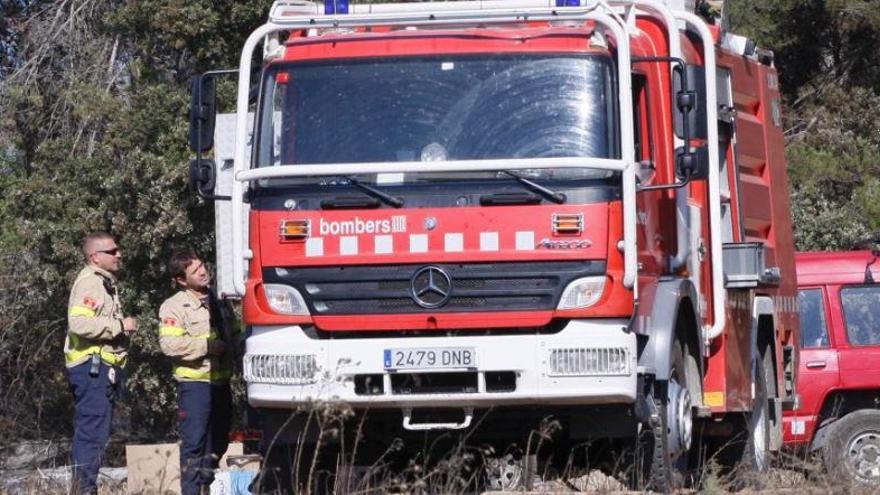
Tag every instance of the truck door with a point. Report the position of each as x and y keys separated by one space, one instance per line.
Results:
x=818 y=371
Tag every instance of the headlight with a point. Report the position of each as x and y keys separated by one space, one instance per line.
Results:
x=582 y=293
x=285 y=300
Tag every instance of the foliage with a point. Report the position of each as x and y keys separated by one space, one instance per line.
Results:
x=93 y=136
x=826 y=52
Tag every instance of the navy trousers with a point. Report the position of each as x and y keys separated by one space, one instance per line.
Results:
x=204 y=412
x=93 y=404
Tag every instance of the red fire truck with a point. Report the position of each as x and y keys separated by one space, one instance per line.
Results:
x=839 y=376
x=477 y=215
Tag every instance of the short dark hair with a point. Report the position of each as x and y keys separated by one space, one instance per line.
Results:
x=178 y=263
x=92 y=237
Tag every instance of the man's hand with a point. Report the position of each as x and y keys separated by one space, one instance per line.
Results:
x=129 y=324
x=216 y=348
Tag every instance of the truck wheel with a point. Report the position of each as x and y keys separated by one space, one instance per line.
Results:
x=759 y=422
x=685 y=450
x=510 y=472
x=666 y=448
x=748 y=453
x=852 y=450
x=654 y=446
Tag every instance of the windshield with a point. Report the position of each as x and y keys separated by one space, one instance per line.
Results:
x=449 y=108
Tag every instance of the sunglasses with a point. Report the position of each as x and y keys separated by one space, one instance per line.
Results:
x=111 y=252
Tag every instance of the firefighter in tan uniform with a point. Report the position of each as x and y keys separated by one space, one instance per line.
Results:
x=196 y=331
x=94 y=353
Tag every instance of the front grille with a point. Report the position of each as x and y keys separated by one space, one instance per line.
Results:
x=280 y=368
x=589 y=361
x=385 y=289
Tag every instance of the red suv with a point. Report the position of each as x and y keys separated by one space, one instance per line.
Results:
x=839 y=375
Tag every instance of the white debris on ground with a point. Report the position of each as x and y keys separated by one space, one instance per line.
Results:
x=595 y=481
x=25 y=455
x=57 y=480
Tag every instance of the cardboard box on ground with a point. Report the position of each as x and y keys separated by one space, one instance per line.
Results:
x=156 y=469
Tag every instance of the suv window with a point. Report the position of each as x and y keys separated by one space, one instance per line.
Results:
x=861 y=309
x=814 y=329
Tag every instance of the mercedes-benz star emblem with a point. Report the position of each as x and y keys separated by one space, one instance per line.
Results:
x=431 y=287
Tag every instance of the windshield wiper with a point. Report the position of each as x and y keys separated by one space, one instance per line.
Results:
x=556 y=197
x=372 y=191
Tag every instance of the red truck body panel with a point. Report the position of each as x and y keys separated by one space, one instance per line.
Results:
x=760 y=209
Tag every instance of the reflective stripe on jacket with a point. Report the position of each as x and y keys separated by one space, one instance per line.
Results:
x=94 y=320
x=185 y=332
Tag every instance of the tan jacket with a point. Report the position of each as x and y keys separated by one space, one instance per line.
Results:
x=94 y=319
x=186 y=328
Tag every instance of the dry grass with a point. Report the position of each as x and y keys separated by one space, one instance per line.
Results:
x=326 y=466
x=446 y=476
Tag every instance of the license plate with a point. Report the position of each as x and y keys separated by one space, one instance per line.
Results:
x=429 y=358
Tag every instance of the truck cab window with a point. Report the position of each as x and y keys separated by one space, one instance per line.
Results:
x=814 y=328
x=861 y=310
x=428 y=108
x=644 y=149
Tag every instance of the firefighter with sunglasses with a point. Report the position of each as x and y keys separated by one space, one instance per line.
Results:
x=94 y=352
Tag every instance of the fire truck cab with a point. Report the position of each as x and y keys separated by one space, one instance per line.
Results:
x=477 y=215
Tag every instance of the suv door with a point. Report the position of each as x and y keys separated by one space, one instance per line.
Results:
x=818 y=369
x=860 y=354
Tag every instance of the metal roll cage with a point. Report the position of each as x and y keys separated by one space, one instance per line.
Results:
x=616 y=17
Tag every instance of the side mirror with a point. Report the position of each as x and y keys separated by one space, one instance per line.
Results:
x=689 y=114
x=869 y=277
x=872 y=242
x=692 y=164
x=202 y=113
x=202 y=176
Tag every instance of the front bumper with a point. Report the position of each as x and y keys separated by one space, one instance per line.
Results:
x=588 y=362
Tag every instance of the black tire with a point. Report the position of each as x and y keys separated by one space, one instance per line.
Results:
x=510 y=472
x=659 y=471
x=655 y=465
x=748 y=455
x=852 y=450
x=757 y=453
x=687 y=468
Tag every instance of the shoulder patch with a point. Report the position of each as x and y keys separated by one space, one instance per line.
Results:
x=90 y=303
x=171 y=322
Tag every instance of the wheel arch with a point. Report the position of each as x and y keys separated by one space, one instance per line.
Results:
x=672 y=300
x=839 y=403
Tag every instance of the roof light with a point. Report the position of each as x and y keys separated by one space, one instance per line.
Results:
x=335 y=6
x=568 y=3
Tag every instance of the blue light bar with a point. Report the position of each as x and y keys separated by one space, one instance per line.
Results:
x=568 y=3
x=336 y=6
